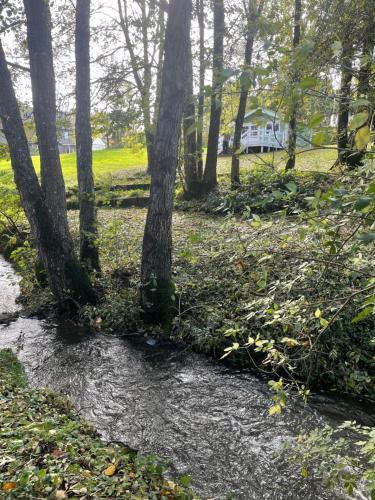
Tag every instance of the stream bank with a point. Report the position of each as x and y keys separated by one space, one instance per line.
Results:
x=207 y=421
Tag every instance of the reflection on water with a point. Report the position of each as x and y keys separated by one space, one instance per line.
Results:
x=209 y=422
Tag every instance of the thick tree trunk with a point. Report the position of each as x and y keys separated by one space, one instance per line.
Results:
x=86 y=191
x=157 y=285
x=68 y=282
x=44 y=101
x=202 y=76
x=344 y=104
x=252 y=21
x=210 y=173
x=292 y=136
x=190 y=133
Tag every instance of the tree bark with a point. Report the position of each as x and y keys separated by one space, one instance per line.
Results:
x=292 y=138
x=44 y=101
x=253 y=15
x=202 y=76
x=210 y=173
x=367 y=50
x=89 y=253
x=156 y=273
x=344 y=103
x=190 y=133
x=69 y=284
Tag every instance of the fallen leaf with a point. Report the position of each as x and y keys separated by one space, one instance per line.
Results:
x=9 y=486
x=110 y=471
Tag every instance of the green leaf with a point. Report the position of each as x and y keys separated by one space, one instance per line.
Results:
x=367 y=237
x=363 y=202
x=358 y=120
x=362 y=137
x=363 y=314
x=308 y=83
x=316 y=119
x=318 y=138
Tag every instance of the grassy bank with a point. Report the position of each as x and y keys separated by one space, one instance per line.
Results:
x=278 y=272
x=46 y=451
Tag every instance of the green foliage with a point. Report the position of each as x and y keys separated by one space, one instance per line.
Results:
x=329 y=454
x=47 y=452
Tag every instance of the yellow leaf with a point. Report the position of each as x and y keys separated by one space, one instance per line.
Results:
x=110 y=471
x=9 y=486
x=362 y=137
x=61 y=494
x=274 y=410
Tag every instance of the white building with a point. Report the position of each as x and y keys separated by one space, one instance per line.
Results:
x=265 y=130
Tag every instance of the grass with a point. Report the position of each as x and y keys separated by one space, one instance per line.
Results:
x=106 y=162
x=126 y=164
x=46 y=451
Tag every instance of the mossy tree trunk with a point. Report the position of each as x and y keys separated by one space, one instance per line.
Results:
x=68 y=282
x=86 y=191
x=156 y=274
x=44 y=106
x=210 y=172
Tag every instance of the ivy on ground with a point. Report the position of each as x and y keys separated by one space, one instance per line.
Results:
x=47 y=452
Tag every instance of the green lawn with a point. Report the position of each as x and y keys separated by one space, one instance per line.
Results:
x=126 y=163
x=106 y=162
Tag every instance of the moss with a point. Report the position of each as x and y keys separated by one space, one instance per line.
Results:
x=159 y=302
x=11 y=370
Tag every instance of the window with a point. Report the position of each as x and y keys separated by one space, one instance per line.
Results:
x=277 y=127
x=269 y=128
x=245 y=130
x=254 y=130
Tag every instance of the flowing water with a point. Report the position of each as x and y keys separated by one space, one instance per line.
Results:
x=206 y=421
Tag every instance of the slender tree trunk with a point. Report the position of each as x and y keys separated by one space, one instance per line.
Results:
x=252 y=22
x=86 y=191
x=142 y=81
x=190 y=132
x=292 y=137
x=156 y=274
x=161 y=36
x=344 y=103
x=44 y=101
x=69 y=284
x=210 y=173
x=367 y=50
x=202 y=76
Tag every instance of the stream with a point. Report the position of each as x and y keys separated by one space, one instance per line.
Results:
x=205 y=420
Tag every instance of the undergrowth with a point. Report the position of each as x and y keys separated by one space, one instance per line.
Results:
x=46 y=451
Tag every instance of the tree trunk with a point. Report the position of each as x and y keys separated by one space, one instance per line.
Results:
x=292 y=136
x=190 y=133
x=44 y=101
x=251 y=31
x=69 y=284
x=161 y=36
x=344 y=104
x=156 y=274
x=86 y=191
x=202 y=76
x=367 y=50
x=210 y=173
